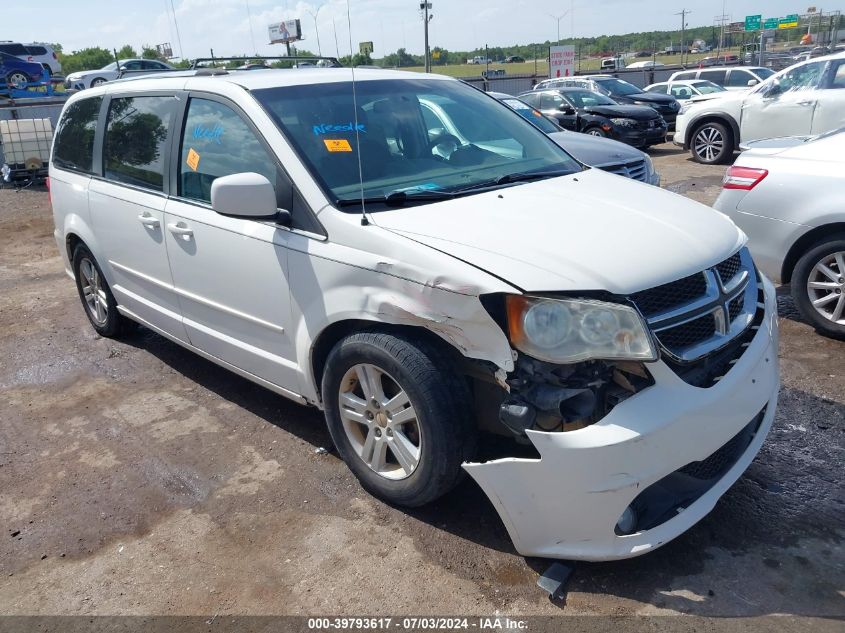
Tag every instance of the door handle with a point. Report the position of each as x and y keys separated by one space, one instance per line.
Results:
x=183 y=231
x=808 y=102
x=149 y=221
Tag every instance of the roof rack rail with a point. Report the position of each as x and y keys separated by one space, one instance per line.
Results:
x=200 y=61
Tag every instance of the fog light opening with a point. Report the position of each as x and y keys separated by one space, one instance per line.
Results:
x=627 y=523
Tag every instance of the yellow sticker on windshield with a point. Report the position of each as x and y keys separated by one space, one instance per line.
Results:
x=337 y=145
x=193 y=159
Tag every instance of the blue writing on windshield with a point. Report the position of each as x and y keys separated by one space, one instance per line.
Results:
x=330 y=128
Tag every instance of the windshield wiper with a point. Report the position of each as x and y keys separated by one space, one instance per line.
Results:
x=399 y=197
x=506 y=179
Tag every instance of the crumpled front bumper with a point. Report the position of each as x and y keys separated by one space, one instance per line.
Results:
x=567 y=503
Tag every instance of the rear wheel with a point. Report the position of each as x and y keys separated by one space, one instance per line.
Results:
x=96 y=296
x=818 y=286
x=399 y=416
x=712 y=144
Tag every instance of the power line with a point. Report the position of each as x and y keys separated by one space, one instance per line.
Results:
x=251 y=33
x=178 y=37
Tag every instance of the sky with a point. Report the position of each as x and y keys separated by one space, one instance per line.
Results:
x=232 y=27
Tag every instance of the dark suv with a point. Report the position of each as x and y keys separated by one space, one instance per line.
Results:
x=621 y=92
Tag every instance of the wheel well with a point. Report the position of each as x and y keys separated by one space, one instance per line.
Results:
x=72 y=242
x=335 y=332
x=732 y=126
x=805 y=243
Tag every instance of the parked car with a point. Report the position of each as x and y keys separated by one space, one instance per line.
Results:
x=620 y=91
x=602 y=153
x=733 y=78
x=787 y=196
x=479 y=59
x=687 y=90
x=45 y=55
x=410 y=291
x=92 y=78
x=514 y=59
x=592 y=113
x=804 y=99
x=16 y=73
x=16 y=49
x=648 y=64
x=718 y=60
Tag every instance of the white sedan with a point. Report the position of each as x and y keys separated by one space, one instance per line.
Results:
x=685 y=90
x=92 y=78
x=788 y=195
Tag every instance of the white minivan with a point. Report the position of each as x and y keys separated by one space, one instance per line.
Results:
x=309 y=231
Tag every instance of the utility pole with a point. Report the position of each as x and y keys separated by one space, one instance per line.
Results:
x=683 y=14
x=558 y=18
x=425 y=7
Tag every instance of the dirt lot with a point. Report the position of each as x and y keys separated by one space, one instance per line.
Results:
x=137 y=478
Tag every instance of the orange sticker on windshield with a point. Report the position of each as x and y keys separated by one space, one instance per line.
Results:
x=337 y=145
x=193 y=159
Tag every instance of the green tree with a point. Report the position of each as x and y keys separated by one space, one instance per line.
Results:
x=126 y=52
x=150 y=52
x=86 y=59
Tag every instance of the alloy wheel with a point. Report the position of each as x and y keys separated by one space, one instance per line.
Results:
x=380 y=422
x=826 y=287
x=18 y=80
x=93 y=292
x=708 y=143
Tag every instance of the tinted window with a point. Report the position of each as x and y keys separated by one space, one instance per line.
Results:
x=551 y=101
x=618 y=87
x=217 y=142
x=740 y=78
x=532 y=115
x=36 y=50
x=73 y=147
x=17 y=50
x=659 y=88
x=716 y=76
x=588 y=99
x=531 y=99
x=838 y=75
x=136 y=135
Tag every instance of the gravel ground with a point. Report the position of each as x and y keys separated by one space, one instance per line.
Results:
x=137 y=478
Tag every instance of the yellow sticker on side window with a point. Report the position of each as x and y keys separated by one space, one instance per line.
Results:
x=337 y=145
x=193 y=159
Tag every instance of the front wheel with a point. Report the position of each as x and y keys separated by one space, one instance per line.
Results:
x=818 y=286
x=711 y=144
x=398 y=415
x=596 y=131
x=17 y=80
x=99 y=81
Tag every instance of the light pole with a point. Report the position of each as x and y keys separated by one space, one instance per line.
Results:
x=425 y=7
x=558 y=18
x=314 y=15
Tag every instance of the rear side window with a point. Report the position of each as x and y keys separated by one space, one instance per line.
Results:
x=18 y=50
x=36 y=50
x=217 y=142
x=136 y=136
x=683 y=76
x=73 y=147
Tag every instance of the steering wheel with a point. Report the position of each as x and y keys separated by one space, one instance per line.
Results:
x=441 y=139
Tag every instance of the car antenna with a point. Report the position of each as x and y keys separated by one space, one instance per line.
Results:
x=364 y=221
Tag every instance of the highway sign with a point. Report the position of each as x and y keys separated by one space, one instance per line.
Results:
x=770 y=23
x=752 y=22
x=789 y=22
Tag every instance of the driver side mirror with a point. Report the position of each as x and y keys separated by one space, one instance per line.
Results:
x=247 y=195
x=567 y=109
x=752 y=82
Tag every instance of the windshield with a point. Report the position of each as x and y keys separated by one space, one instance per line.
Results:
x=587 y=98
x=618 y=87
x=112 y=66
x=532 y=115
x=707 y=87
x=433 y=137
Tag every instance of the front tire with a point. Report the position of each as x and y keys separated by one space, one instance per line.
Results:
x=99 y=81
x=596 y=131
x=96 y=296
x=17 y=80
x=818 y=286
x=712 y=144
x=399 y=416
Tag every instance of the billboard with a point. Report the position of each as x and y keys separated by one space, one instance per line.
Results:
x=164 y=50
x=284 y=32
x=561 y=61
x=365 y=48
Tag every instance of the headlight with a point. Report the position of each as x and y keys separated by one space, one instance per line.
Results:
x=646 y=103
x=624 y=122
x=649 y=166
x=684 y=108
x=574 y=330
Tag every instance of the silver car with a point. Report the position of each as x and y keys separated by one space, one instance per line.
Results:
x=787 y=195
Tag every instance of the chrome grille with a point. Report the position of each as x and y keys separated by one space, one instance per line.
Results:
x=635 y=170
x=699 y=314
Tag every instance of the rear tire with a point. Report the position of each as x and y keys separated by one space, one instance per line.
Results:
x=399 y=416
x=96 y=296
x=818 y=286
x=712 y=144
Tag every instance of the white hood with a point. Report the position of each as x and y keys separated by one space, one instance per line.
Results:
x=588 y=231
